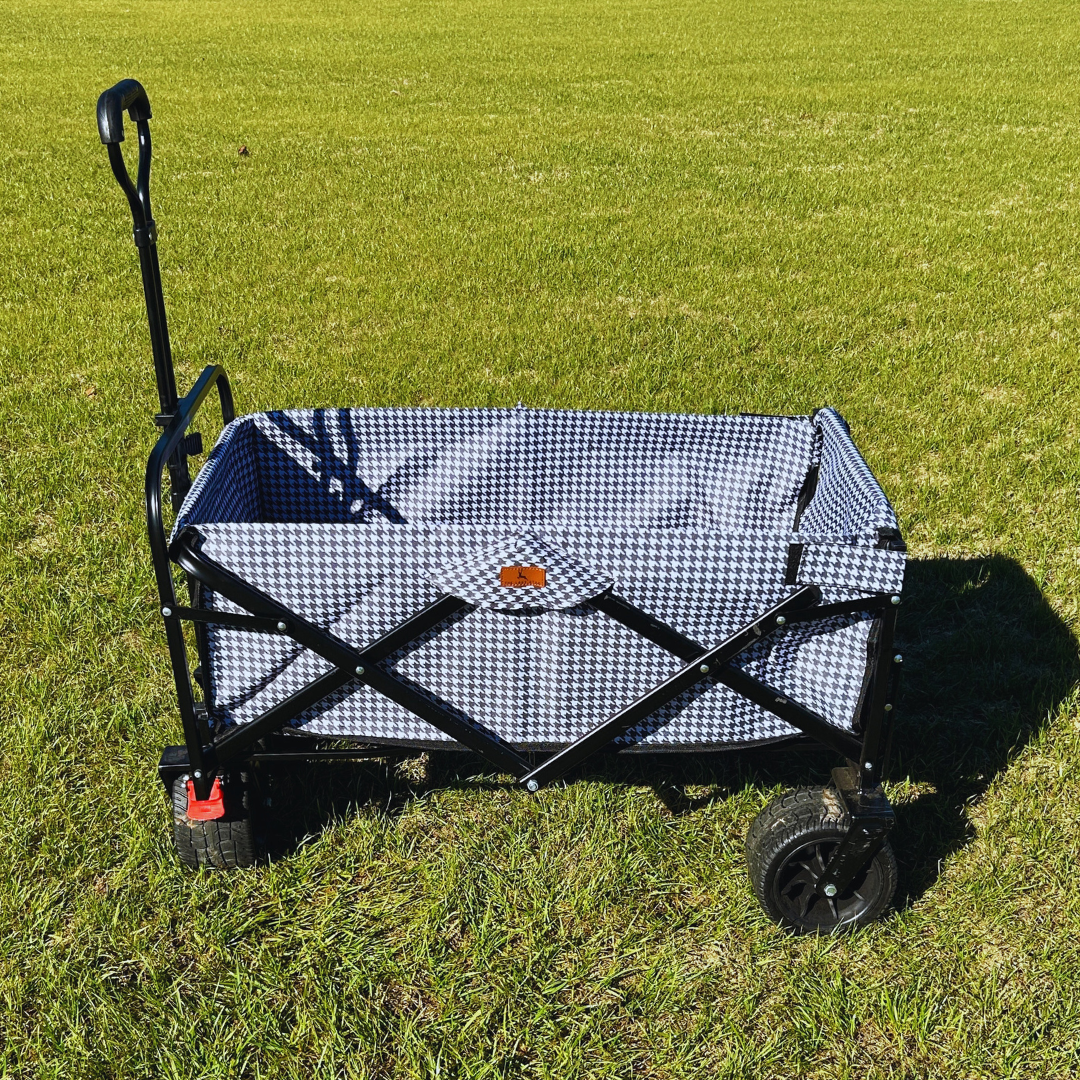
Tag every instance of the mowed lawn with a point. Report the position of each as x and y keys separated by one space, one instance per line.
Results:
x=761 y=206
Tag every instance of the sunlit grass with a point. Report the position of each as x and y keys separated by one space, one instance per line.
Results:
x=758 y=207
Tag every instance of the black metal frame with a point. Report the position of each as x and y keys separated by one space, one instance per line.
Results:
x=207 y=753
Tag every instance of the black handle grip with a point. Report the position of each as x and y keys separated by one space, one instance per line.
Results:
x=126 y=94
x=130 y=95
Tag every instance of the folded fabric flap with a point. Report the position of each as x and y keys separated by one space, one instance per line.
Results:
x=519 y=572
x=852 y=566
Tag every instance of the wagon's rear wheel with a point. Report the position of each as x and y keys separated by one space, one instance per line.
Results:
x=222 y=843
x=787 y=849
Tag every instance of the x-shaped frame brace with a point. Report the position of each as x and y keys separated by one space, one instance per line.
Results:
x=362 y=667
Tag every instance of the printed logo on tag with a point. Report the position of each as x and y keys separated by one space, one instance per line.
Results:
x=514 y=577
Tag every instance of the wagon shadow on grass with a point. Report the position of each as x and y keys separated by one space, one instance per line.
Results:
x=986 y=662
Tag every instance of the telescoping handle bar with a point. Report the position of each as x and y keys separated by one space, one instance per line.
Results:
x=129 y=95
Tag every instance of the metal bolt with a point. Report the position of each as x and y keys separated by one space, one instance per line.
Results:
x=166 y=611
x=198 y=774
x=897 y=659
x=532 y=785
x=869 y=766
x=360 y=670
x=781 y=620
x=703 y=668
x=283 y=626
x=829 y=890
x=896 y=601
x=888 y=708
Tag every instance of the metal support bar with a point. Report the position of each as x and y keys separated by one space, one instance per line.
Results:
x=485 y=743
x=230 y=620
x=235 y=740
x=397 y=639
x=404 y=635
x=893 y=696
x=878 y=716
x=300 y=756
x=871 y=817
x=876 y=603
x=212 y=375
x=703 y=664
x=201 y=674
x=633 y=618
x=778 y=704
x=355 y=663
x=195 y=733
x=791 y=712
x=174 y=759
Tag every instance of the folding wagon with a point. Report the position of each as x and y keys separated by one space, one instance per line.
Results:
x=535 y=586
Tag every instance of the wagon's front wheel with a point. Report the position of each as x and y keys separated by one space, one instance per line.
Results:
x=787 y=849
x=222 y=843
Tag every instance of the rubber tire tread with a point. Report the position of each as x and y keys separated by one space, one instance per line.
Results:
x=804 y=813
x=224 y=844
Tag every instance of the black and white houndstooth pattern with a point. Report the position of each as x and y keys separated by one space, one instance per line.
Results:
x=516 y=466
x=357 y=519
x=849 y=502
x=476 y=576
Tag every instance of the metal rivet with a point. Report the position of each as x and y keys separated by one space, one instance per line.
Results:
x=781 y=701
x=780 y=620
x=703 y=668
x=888 y=708
x=869 y=766
x=896 y=601
x=283 y=626
x=897 y=659
x=198 y=774
x=532 y=785
x=829 y=890
x=360 y=670
x=166 y=611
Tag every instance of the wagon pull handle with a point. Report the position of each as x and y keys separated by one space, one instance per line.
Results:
x=129 y=95
x=126 y=94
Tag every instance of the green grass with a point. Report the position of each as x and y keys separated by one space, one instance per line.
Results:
x=760 y=207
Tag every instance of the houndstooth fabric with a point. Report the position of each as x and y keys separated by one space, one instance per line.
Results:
x=530 y=466
x=357 y=519
x=227 y=487
x=834 y=562
x=848 y=502
x=479 y=576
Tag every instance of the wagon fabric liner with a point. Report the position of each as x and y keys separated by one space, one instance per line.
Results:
x=357 y=518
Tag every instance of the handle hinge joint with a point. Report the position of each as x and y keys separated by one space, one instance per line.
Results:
x=145 y=234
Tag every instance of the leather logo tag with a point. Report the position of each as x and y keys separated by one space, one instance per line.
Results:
x=514 y=577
